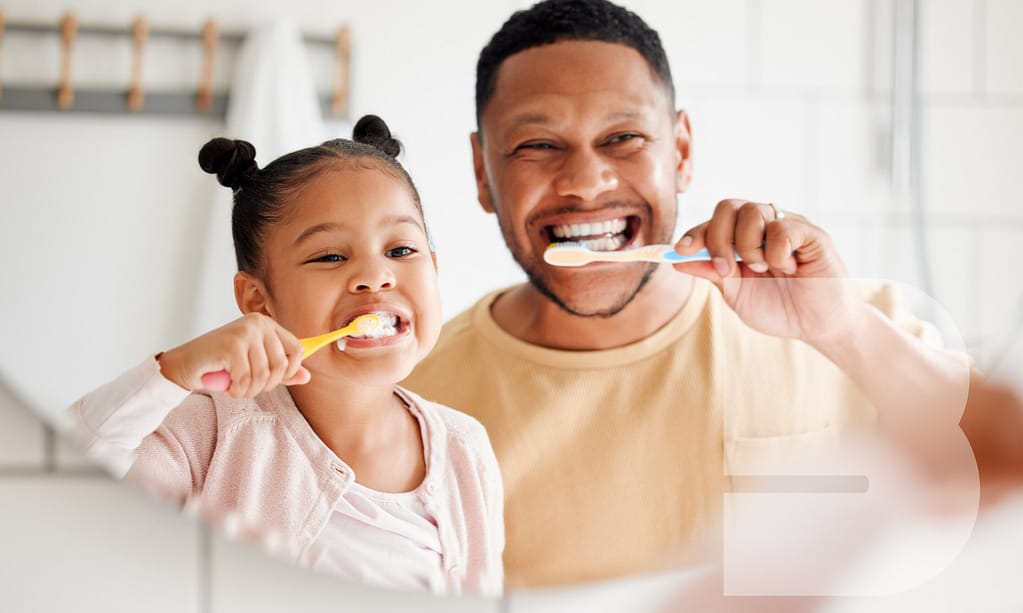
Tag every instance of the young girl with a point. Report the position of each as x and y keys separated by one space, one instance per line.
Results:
x=324 y=460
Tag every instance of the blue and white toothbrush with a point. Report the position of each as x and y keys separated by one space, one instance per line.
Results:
x=576 y=254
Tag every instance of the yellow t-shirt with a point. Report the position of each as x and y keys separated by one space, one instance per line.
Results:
x=615 y=461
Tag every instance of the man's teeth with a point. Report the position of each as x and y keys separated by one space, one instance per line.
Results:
x=599 y=236
x=607 y=243
x=572 y=231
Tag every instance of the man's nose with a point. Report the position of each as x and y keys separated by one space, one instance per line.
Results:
x=586 y=175
x=371 y=275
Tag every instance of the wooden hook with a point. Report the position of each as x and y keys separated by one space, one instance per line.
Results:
x=139 y=33
x=210 y=38
x=2 y=20
x=68 y=30
x=339 y=101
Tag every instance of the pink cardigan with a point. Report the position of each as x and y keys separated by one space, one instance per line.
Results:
x=256 y=468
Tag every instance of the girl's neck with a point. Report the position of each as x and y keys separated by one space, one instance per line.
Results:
x=352 y=412
x=367 y=427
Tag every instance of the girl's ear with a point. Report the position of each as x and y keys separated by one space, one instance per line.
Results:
x=251 y=295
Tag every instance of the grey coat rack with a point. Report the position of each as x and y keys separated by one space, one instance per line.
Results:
x=202 y=101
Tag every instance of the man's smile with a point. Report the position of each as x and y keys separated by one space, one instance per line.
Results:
x=607 y=235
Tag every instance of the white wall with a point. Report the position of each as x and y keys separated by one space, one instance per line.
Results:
x=789 y=99
x=110 y=210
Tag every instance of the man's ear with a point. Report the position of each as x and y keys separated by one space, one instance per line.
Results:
x=683 y=152
x=479 y=167
x=250 y=294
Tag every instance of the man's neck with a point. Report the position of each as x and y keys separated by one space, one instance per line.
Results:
x=528 y=315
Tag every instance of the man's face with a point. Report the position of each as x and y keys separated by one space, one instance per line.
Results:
x=579 y=143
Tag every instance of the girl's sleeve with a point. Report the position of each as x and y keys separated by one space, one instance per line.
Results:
x=120 y=426
x=494 y=499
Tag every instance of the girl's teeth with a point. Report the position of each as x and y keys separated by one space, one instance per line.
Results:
x=388 y=327
x=387 y=319
x=385 y=330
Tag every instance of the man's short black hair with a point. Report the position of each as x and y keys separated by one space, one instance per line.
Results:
x=552 y=21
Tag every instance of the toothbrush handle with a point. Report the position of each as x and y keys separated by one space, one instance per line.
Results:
x=218 y=381
x=669 y=255
x=647 y=253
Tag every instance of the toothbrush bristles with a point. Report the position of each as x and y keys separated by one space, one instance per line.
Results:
x=568 y=254
x=367 y=324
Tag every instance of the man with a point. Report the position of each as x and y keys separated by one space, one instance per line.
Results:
x=621 y=397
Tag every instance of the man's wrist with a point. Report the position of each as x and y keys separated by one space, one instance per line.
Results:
x=850 y=338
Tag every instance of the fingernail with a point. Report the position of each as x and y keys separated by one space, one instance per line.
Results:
x=757 y=267
x=686 y=240
x=721 y=265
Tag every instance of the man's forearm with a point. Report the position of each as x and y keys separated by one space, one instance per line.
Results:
x=911 y=383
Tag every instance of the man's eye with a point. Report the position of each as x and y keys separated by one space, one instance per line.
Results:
x=536 y=146
x=400 y=252
x=621 y=138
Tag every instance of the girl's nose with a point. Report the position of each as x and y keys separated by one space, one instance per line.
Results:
x=372 y=277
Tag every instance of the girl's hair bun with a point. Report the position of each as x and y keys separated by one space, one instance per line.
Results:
x=372 y=131
x=233 y=161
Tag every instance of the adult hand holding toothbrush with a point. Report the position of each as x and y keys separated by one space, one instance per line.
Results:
x=788 y=280
x=791 y=283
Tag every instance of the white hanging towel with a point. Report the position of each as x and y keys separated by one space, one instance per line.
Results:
x=273 y=105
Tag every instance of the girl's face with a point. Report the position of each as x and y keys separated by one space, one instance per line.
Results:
x=353 y=242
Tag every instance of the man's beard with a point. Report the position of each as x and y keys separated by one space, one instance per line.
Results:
x=537 y=282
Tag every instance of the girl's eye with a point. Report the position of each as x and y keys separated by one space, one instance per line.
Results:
x=400 y=252
x=332 y=258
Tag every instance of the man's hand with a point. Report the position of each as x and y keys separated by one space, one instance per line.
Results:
x=791 y=281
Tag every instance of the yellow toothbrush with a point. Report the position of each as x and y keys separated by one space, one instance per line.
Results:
x=363 y=324
x=220 y=381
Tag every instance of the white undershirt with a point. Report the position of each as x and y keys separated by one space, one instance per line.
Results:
x=383 y=539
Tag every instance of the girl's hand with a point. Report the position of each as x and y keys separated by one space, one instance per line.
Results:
x=255 y=350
